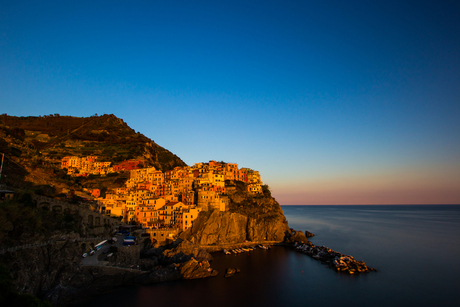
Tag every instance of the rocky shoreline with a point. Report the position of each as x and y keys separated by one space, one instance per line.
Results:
x=335 y=260
x=67 y=279
x=55 y=272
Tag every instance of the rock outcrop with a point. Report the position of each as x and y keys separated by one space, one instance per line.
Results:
x=194 y=269
x=230 y=272
x=339 y=262
x=227 y=227
x=184 y=252
x=296 y=236
x=256 y=218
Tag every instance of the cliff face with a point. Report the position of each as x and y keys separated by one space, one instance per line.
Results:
x=250 y=217
x=40 y=270
x=227 y=227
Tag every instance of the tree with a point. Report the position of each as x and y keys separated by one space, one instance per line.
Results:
x=266 y=190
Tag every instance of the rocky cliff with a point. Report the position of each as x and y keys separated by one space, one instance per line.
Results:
x=256 y=218
x=228 y=227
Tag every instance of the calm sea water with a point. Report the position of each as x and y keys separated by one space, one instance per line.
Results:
x=416 y=250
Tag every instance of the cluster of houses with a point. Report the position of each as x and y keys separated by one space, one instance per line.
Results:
x=166 y=203
x=89 y=165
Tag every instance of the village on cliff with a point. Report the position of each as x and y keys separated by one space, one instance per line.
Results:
x=163 y=203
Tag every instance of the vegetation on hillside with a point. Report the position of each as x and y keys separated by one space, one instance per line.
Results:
x=34 y=146
x=255 y=206
x=22 y=223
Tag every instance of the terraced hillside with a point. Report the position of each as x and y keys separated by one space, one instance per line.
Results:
x=34 y=146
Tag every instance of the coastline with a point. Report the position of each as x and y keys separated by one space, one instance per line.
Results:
x=284 y=277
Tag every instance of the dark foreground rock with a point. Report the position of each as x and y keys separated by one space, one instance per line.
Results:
x=333 y=259
x=184 y=252
x=194 y=269
x=293 y=236
x=55 y=272
x=230 y=272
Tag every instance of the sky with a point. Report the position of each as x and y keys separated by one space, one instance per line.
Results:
x=333 y=102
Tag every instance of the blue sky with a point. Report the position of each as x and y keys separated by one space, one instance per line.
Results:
x=333 y=102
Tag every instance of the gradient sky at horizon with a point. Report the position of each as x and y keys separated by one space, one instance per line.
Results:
x=333 y=102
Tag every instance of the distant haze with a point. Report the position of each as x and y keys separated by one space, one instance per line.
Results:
x=332 y=102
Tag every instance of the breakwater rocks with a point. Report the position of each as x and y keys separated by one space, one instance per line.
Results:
x=335 y=260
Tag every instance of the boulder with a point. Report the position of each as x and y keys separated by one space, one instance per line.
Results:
x=230 y=272
x=295 y=236
x=193 y=269
x=184 y=252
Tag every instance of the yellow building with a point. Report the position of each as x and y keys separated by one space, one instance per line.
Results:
x=171 y=211
x=187 y=216
x=254 y=188
x=155 y=202
x=210 y=200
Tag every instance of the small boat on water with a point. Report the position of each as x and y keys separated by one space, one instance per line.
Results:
x=226 y=252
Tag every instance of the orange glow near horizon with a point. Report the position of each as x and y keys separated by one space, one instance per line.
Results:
x=402 y=186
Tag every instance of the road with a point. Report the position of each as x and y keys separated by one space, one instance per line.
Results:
x=96 y=258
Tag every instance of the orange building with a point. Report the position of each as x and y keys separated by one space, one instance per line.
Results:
x=147 y=216
x=128 y=165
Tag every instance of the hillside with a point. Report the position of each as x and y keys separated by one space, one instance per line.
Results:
x=34 y=147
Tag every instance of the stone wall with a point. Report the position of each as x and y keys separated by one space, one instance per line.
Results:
x=128 y=255
x=90 y=218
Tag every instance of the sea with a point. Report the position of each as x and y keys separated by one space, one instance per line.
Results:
x=415 y=249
